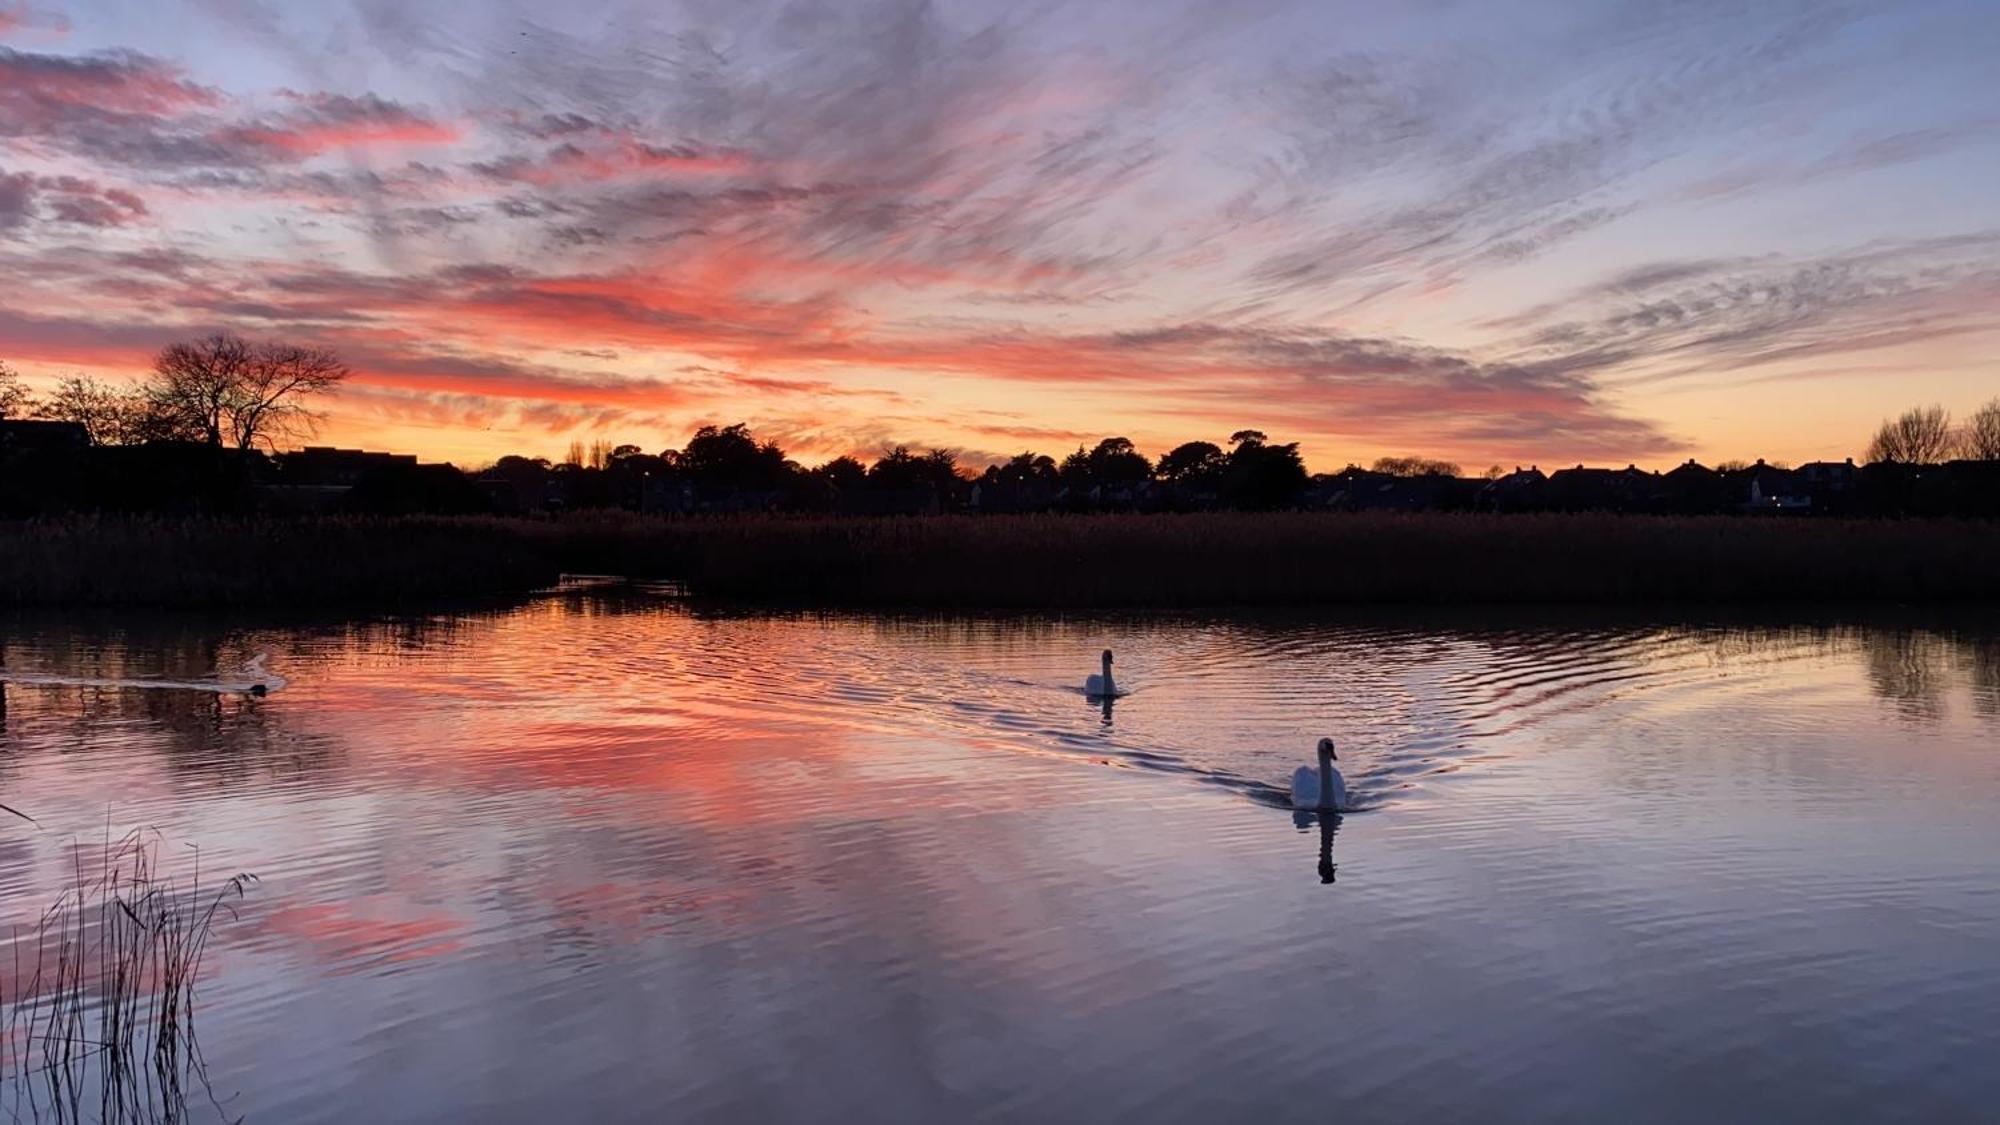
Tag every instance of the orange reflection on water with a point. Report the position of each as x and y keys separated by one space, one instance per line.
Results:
x=365 y=932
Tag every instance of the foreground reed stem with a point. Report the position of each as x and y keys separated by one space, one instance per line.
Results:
x=99 y=1006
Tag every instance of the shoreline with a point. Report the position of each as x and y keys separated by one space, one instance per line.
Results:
x=1007 y=563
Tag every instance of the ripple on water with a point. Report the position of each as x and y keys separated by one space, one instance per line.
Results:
x=1622 y=871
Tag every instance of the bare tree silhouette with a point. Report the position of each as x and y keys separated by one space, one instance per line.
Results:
x=227 y=392
x=1920 y=436
x=108 y=415
x=1415 y=467
x=1981 y=439
x=13 y=396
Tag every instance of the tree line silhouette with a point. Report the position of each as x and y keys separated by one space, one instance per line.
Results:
x=203 y=431
x=726 y=468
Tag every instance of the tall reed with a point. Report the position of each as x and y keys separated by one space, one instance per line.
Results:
x=99 y=1014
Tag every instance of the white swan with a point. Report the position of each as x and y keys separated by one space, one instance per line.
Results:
x=1101 y=687
x=1321 y=789
x=263 y=681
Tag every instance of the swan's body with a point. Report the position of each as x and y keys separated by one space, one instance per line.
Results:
x=1322 y=789
x=1101 y=686
x=263 y=681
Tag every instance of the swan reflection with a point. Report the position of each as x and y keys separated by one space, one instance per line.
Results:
x=1329 y=823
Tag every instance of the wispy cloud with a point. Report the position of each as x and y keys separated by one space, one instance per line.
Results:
x=1677 y=320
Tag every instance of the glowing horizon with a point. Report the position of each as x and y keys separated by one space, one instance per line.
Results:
x=1526 y=232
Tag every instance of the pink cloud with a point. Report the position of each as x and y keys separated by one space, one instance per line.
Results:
x=612 y=157
x=324 y=122
x=25 y=198
x=35 y=88
x=20 y=16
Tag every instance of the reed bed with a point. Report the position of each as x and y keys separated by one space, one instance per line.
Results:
x=198 y=562
x=1024 y=562
x=1302 y=558
x=99 y=1012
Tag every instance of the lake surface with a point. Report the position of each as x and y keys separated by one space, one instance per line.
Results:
x=604 y=856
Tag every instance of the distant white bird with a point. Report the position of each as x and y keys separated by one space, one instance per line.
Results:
x=263 y=681
x=1322 y=789
x=1101 y=687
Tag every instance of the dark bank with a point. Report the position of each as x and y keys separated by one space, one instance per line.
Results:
x=1013 y=561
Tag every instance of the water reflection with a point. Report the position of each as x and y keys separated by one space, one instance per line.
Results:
x=879 y=855
x=228 y=739
x=1981 y=660
x=1912 y=670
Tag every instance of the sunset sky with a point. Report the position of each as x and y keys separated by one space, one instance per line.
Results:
x=1502 y=231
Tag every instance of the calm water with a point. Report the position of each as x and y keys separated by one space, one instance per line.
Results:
x=603 y=857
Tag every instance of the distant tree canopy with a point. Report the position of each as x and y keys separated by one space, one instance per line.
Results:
x=1415 y=467
x=1197 y=465
x=1114 y=462
x=729 y=458
x=1922 y=435
x=1262 y=475
x=843 y=472
x=721 y=459
x=513 y=467
x=901 y=470
x=1024 y=469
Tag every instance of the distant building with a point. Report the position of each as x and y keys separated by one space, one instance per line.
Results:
x=34 y=436
x=1125 y=496
x=1630 y=489
x=320 y=478
x=1834 y=476
x=325 y=466
x=1364 y=490
x=43 y=466
x=1834 y=486
x=889 y=502
x=1775 y=491
x=1012 y=496
x=736 y=501
x=1965 y=488
x=660 y=494
x=1692 y=488
x=1518 y=491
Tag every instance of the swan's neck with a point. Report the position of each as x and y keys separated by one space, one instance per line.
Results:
x=1107 y=677
x=1325 y=780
